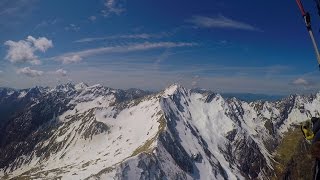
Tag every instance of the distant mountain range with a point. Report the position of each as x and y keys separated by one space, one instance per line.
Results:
x=249 y=97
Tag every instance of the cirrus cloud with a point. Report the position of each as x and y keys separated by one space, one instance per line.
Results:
x=74 y=57
x=127 y=36
x=221 y=22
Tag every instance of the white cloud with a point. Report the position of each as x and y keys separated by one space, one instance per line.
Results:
x=301 y=82
x=61 y=72
x=42 y=44
x=29 y=72
x=24 y=50
x=21 y=51
x=68 y=59
x=92 y=18
x=112 y=7
x=126 y=36
x=220 y=22
x=78 y=56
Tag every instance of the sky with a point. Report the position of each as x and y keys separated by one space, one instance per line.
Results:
x=227 y=46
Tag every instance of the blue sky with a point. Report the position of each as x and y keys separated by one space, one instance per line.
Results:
x=222 y=45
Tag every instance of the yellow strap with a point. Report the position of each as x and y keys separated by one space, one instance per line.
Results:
x=308 y=134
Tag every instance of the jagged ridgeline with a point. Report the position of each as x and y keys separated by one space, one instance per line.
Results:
x=94 y=132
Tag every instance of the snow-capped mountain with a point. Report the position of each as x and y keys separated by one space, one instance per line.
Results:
x=94 y=132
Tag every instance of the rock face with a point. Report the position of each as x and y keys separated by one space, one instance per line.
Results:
x=94 y=132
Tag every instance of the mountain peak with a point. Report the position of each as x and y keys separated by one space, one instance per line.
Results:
x=81 y=86
x=172 y=89
x=65 y=87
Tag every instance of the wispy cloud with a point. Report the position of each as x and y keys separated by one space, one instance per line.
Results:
x=8 y=7
x=195 y=81
x=162 y=57
x=61 y=72
x=112 y=7
x=46 y=23
x=69 y=58
x=27 y=71
x=79 y=55
x=13 y=12
x=9 y=10
x=72 y=27
x=302 y=82
x=221 y=22
x=92 y=18
x=126 y=36
x=24 y=50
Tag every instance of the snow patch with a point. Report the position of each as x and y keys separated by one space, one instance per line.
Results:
x=81 y=86
x=22 y=94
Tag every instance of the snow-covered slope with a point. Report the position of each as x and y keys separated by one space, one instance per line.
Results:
x=94 y=132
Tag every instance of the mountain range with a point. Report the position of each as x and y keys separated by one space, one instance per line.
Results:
x=76 y=131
